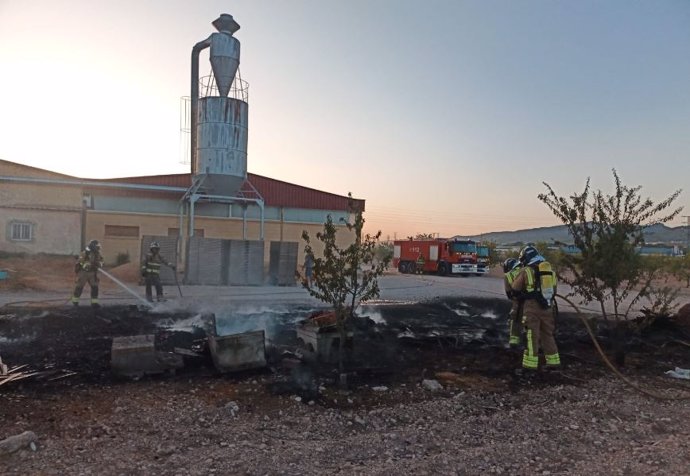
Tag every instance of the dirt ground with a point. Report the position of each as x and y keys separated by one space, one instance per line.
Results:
x=294 y=418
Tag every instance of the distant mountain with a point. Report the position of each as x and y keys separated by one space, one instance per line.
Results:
x=654 y=234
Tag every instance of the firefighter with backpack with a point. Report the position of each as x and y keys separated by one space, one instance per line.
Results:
x=535 y=285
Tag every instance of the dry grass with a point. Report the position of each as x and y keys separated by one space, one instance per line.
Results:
x=54 y=273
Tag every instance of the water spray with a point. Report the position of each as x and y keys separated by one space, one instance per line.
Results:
x=125 y=287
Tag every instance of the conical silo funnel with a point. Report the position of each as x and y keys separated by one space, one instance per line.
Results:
x=225 y=58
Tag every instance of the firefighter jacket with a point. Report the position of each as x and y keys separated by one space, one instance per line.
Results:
x=526 y=288
x=152 y=264
x=508 y=279
x=88 y=261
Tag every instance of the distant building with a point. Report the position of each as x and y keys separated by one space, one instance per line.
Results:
x=658 y=249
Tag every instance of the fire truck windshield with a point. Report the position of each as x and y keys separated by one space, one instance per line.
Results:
x=483 y=251
x=463 y=247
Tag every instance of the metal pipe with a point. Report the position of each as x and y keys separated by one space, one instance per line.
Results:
x=194 y=102
x=244 y=221
x=192 y=199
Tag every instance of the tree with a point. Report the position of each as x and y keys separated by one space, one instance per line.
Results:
x=607 y=229
x=423 y=236
x=343 y=277
x=384 y=252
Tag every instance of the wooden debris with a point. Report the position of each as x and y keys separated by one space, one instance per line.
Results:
x=14 y=374
x=187 y=352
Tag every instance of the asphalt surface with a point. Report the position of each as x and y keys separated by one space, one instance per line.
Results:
x=395 y=288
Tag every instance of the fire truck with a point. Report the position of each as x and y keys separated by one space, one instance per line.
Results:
x=483 y=259
x=441 y=255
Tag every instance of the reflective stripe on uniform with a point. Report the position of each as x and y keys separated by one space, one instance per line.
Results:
x=512 y=274
x=553 y=359
x=530 y=279
x=530 y=360
x=153 y=267
x=514 y=338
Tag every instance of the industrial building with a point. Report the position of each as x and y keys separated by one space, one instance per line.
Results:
x=46 y=212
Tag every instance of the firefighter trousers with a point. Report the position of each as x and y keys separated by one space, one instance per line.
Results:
x=540 y=326
x=84 y=277
x=153 y=280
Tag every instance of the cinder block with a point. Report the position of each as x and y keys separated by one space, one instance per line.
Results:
x=238 y=351
x=134 y=356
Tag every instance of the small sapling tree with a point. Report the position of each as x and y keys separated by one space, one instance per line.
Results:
x=345 y=276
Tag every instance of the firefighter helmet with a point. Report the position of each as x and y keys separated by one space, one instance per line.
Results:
x=509 y=264
x=155 y=245
x=93 y=245
x=529 y=255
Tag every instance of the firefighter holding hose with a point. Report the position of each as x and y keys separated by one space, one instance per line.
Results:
x=535 y=284
x=86 y=268
x=150 y=271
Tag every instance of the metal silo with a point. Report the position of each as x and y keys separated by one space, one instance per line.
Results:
x=220 y=118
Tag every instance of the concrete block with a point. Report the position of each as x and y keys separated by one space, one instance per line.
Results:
x=321 y=343
x=136 y=356
x=238 y=351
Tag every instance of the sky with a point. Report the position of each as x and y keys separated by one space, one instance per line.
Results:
x=446 y=116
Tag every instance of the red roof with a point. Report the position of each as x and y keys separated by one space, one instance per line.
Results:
x=275 y=193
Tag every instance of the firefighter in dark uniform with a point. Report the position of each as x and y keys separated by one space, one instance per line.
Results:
x=86 y=268
x=150 y=270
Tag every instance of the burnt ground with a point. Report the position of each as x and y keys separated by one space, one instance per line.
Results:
x=287 y=417
x=393 y=341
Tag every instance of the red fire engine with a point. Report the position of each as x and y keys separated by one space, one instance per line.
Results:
x=440 y=255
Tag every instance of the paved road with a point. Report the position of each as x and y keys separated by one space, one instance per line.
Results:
x=394 y=287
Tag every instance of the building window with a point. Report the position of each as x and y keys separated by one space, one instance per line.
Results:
x=176 y=231
x=21 y=231
x=121 y=231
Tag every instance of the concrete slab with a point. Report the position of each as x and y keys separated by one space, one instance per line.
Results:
x=134 y=356
x=238 y=351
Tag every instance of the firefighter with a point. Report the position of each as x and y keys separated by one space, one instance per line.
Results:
x=536 y=286
x=150 y=271
x=420 y=264
x=511 y=268
x=86 y=268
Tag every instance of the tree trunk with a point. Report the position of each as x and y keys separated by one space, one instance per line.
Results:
x=342 y=331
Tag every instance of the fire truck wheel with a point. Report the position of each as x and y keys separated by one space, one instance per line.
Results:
x=402 y=267
x=442 y=269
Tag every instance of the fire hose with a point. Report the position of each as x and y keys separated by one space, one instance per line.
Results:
x=176 y=281
x=612 y=367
